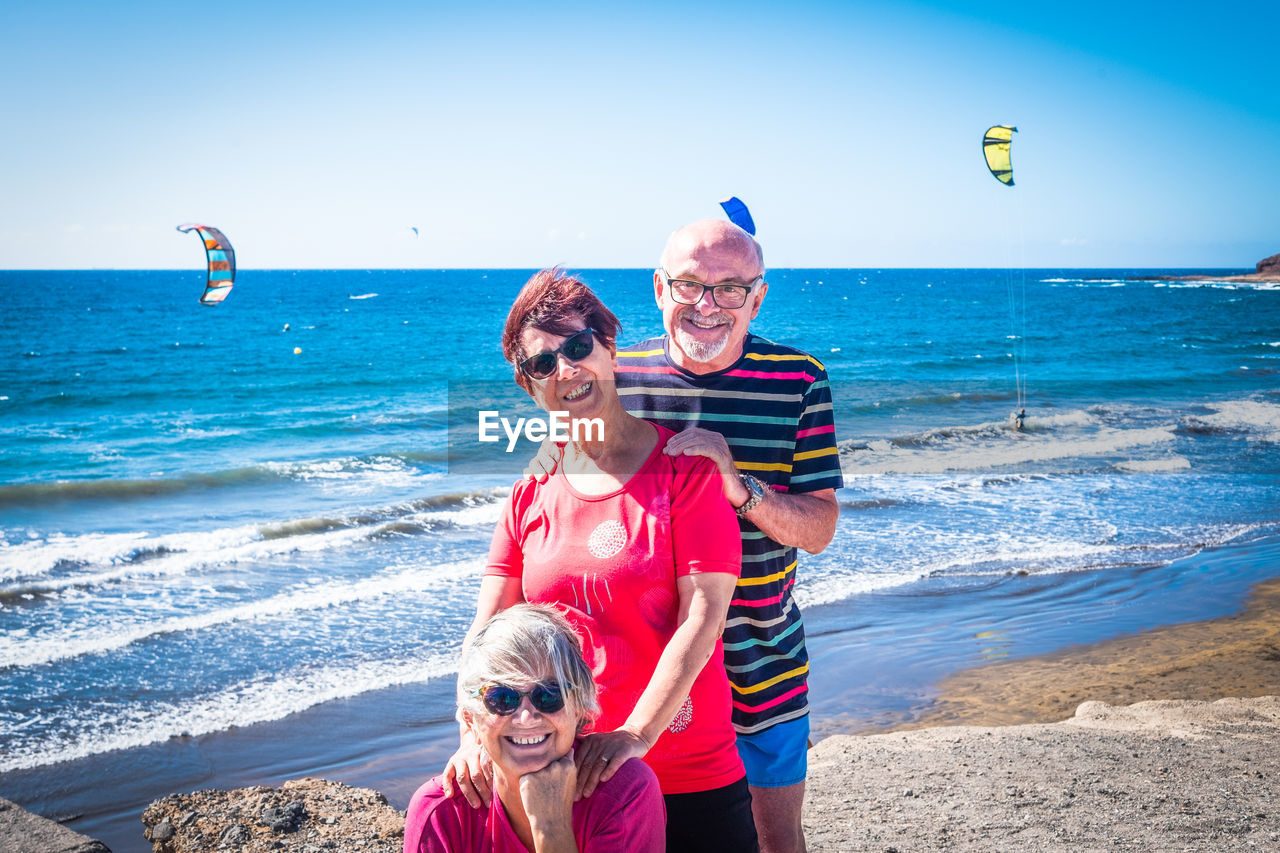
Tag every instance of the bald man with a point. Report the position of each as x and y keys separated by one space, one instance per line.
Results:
x=762 y=412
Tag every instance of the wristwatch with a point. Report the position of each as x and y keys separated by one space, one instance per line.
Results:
x=757 y=492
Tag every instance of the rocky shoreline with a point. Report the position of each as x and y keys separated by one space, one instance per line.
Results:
x=1255 y=278
x=1266 y=271
x=1163 y=775
x=302 y=815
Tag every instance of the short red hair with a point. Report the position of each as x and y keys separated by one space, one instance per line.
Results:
x=558 y=304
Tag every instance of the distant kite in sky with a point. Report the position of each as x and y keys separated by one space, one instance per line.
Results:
x=222 y=262
x=995 y=147
x=738 y=214
x=414 y=229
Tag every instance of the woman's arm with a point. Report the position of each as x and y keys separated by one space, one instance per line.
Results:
x=704 y=599
x=547 y=797
x=468 y=769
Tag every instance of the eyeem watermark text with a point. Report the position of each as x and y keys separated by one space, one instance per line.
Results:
x=557 y=427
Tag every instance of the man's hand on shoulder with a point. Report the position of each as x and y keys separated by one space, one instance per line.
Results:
x=696 y=441
x=544 y=462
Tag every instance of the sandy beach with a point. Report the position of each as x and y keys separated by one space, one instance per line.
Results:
x=1141 y=742
x=1161 y=776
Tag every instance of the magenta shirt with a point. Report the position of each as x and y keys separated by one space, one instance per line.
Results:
x=626 y=813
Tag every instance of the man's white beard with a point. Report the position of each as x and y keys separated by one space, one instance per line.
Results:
x=699 y=350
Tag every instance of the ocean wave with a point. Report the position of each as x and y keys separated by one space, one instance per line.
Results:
x=977 y=556
x=71 y=641
x=853 y=402
x=869 y=503
x=829 y=590
x=1161 y=465
x=266 y=698
x=1219 y=285
x=373 y=472
x=29 y=494
x=40 y=566
x=1257 y=418
x=1069 y=436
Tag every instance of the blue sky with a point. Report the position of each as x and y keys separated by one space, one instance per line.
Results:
x=512 y=135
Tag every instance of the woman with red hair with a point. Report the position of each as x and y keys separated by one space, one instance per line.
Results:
x=641 y=552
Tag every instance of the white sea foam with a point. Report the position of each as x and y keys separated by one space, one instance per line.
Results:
x=353 y=475
x=255 y=701
x=978 y=452
x=92 y=637
x=1161 y=465
x=1261 y=419
x=175 y=554
x=953 y=553
x=59 y=562
x=830 y=589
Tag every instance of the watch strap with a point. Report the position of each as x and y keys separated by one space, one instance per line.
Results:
x=757 y=490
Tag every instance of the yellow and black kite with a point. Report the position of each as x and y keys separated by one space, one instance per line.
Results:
x=995 y=147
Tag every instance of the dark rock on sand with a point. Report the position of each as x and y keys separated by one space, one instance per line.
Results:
x=1269 y=266
x=303 y=815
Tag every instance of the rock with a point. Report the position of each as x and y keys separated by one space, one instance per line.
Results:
x=285 y=818
x=24 y=832
x=1269 y=266
x=301 y=815
x=234 y=836
x=162 y=831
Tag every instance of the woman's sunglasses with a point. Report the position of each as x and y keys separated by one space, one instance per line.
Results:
x=575 y=348
x=505 y=701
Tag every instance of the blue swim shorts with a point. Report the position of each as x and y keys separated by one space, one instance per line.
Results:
x=778 y=756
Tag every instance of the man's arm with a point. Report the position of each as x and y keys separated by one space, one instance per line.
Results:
x=806 y=520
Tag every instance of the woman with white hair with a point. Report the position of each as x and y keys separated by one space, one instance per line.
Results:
x=525 y=694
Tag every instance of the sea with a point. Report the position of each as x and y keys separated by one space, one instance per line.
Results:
x=243 y=542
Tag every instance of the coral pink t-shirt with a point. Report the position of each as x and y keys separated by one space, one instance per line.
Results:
x=625 y=814
x=610 y=563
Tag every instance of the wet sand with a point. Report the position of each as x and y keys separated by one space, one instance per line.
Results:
x=1237 y=655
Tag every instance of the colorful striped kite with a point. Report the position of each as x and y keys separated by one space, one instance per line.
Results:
x=222 y=262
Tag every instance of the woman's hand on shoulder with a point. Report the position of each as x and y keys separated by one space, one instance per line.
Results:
x=600 y=755
x=544 y=462
x=469 y=772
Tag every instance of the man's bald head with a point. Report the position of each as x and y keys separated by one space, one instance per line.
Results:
x=706 y=336
x=714 y=236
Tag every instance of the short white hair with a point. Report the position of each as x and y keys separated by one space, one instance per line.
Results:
x=527 y=642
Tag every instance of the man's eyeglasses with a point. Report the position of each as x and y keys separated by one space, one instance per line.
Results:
x=575 y=348
x=688 y=292
x=505 y=701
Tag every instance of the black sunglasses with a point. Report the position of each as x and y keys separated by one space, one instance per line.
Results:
x=575 y=348
x=505 y=701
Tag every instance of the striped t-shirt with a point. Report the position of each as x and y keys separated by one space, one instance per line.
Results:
x=774 y=408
